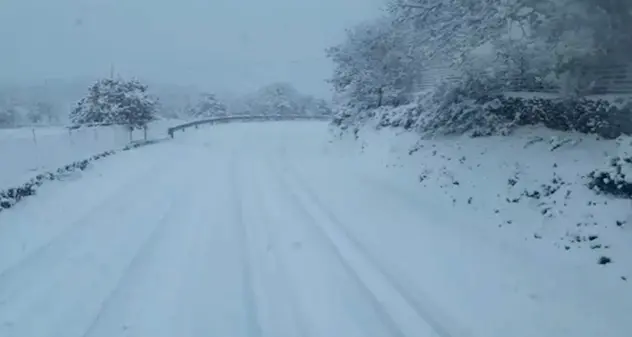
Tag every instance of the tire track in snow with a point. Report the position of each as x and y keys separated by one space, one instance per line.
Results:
x=143 y=250
x=16 y=281
x=340 y=237
x=386 y=318
x=79 y=275
x=80 y=223
x=169 y=216
x=252 y=316
x=33 y=302
x=263 y=196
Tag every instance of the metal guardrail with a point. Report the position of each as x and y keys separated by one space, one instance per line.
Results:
x=231 y=119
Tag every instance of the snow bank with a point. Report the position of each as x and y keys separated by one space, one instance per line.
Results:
x=529 y=190
x=27 y=152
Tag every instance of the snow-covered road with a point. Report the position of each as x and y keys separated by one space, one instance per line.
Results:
x=270 y=230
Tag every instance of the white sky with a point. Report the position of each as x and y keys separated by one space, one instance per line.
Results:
x=227 y=45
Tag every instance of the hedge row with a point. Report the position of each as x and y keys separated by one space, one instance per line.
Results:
x=612 y=183
x=591 y=116
x=616 y=178
x=451 y=111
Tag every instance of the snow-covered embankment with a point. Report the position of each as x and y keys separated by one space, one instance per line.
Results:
x=529 y=190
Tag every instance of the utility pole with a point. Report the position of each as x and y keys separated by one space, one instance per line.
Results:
x=112 y=71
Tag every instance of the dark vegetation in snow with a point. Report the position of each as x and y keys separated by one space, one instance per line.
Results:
x=10 y=197
x=453 y=111
x=614 y=180
x=501 y=114
x=604 y=260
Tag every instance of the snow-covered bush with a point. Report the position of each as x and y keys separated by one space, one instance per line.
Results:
x=472 y=107
x=460 y=108
x=616 y=178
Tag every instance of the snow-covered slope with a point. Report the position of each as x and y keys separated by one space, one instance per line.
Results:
x=528 y=190
x=26 y=152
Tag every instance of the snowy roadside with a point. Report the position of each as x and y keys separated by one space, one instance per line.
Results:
x=11 y=196
x=68 y=158
x=28 y=152
x=529 y=191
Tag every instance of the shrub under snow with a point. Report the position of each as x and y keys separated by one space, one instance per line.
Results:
x=468 y=108
x=616 y=178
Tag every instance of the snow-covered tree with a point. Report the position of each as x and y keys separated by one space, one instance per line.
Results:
x=487 y=46
x=116 y=101
x=8 y=116
x=280 y=99
x=450 y=29
x=378 y=64
x=311 y=106
x=46 y=112
x=136 y=108
x=274 y=99
x=100 y=106
x=322 y=107
x=14 y=112
x=208 y=106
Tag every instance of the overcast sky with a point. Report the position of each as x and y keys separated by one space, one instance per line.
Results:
x=227 y=45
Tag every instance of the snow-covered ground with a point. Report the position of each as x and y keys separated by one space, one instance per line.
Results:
x=26 y=152
x=275 y=229
x=530 y=186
